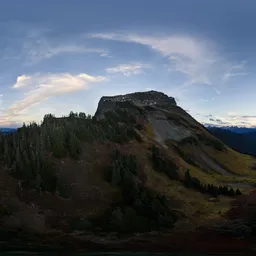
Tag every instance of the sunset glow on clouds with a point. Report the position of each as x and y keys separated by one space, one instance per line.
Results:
x=51 y=62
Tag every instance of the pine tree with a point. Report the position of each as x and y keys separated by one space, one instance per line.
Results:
x=188 y=180
x=238 y=192
x=82 y=115
x=57 y=144
x=7 y=154
x=38 y=182
x=73 y=145
x=231 y=192
x=116 y=175
x=27 y=171
x=196 y=183
x=33 y=162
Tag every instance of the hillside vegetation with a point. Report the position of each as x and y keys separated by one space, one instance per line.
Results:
x=134 y=169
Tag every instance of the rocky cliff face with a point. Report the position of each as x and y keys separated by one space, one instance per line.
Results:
x=167 y=120
x=168 y=124
x=138 y=99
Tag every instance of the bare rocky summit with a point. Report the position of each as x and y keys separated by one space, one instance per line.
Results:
x=156 y=107
x=138 y=99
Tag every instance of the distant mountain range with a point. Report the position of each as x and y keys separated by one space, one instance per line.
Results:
x=242 y=140
x=235 y=129
x=7 y=130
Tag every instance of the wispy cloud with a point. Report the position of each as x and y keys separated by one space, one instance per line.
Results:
x=217 y=120
x=216 y=90
x=235 y=116
x=31 y=47
x=248 y=116
x=41 y=49
x=204 y=100
x=187 y=55
x=22 y=81
x=232 y=113
x=232 y=119
x=235 y=70
x=42 y=87
x=128 y=69
x=105 y=54
x=228 y=75
x=200 y=60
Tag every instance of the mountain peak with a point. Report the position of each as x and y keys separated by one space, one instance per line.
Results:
x=139 y=99
x=143 y=98
x=154 y=108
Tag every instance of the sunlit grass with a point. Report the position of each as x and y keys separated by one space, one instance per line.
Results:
x=191 y=203
x=149 y=131
x=235 y=162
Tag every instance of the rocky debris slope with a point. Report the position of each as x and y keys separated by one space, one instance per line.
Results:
x=167 y=120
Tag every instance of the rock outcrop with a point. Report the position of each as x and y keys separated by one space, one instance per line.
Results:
x=168 y=124
x=160 y=110
x=138 y=99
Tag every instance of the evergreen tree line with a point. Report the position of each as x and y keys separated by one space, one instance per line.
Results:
x=27 y=152
x=192 y=182
x=141 y=209
x=162 y=164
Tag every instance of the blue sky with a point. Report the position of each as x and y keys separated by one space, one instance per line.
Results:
x=57 y=56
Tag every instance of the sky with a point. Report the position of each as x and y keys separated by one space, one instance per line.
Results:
x=61 y=56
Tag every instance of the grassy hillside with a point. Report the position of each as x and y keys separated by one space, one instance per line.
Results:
x=77 y=173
